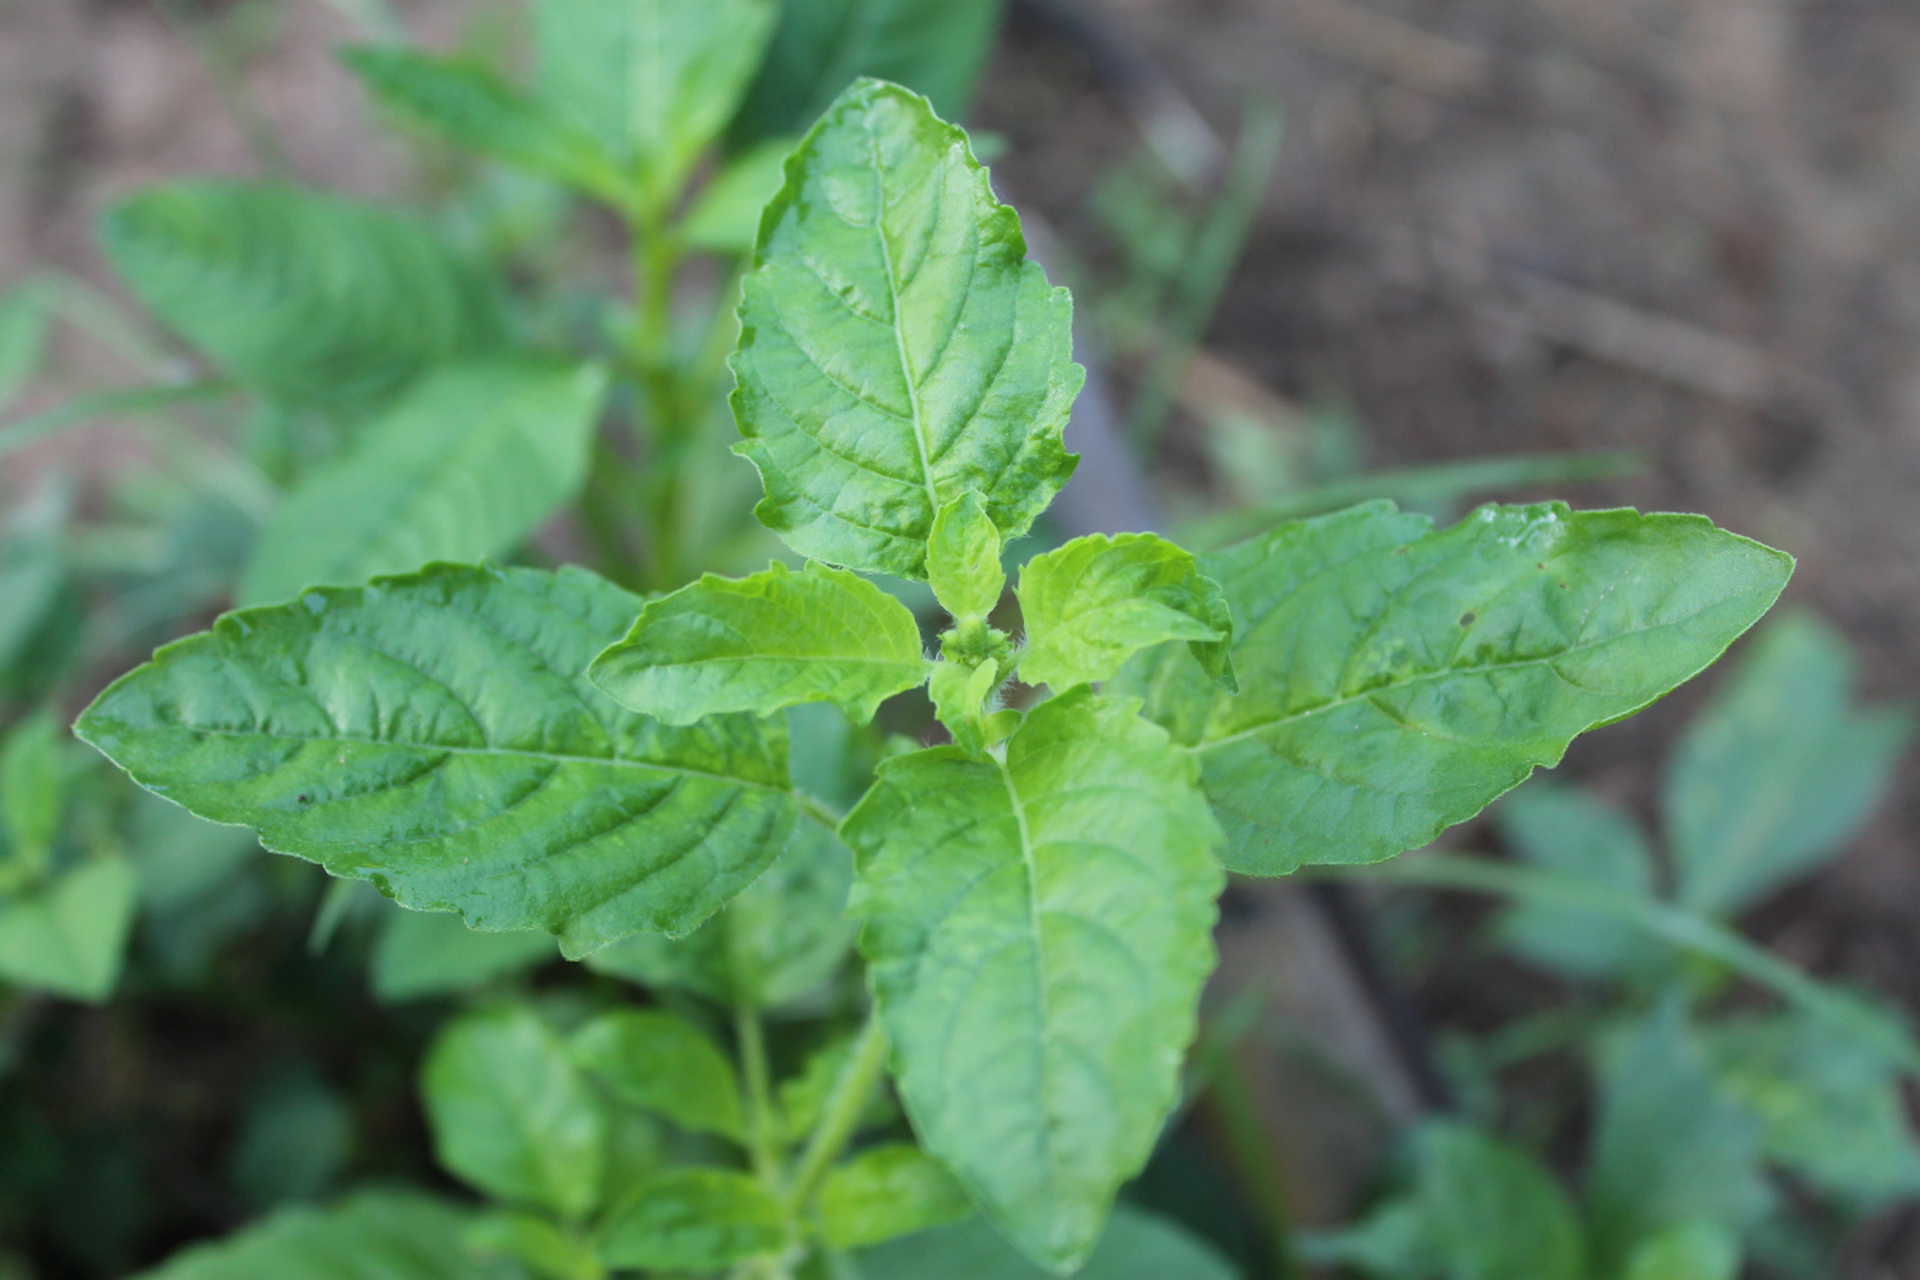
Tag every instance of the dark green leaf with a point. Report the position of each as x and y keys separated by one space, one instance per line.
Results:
x=888 y=1191
x=1669 y=1147
x=304 y=297
x=1095 y=602
x=1780 y=772
x=934 y=47
x=1560 y=829
x=463 y=467
x=776 y=942
x=437 y=734
x=693 y=1220
x=512 y=1115
x=474 y=108
x=1399 y=679
x=1136 y=1246
x=421 y=954
x=660 y=1062
x=1037 y=929
x=897 y=349
x=69 y=936
x=369 y=1236
x=763 y=644
x=654 y=80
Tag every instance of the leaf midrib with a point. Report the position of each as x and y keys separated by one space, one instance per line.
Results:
x=1045 y=1130
x=1483 y=669
x=899 y=330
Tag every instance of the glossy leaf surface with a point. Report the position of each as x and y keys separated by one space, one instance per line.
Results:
x=763 y=644
x=1398 y=679
x=305 y=297
x=1095 y=602
x=1780 y=771
x=1037 y=930
x=437 y=734
x=511 y=1115
x=660 y=1062
x=463 y=467
x=897 y=348
x=369 y=1236
x=693 y=1220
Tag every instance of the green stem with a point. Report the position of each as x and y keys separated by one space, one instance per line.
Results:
x=862 y=1073
x=763 y=1141
x=821 y=812
x=1670 y=924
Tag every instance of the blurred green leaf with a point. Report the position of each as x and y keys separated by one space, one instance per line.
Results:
x=512 y=1115
x=422 y=954
x=1833 y=1110
x=69 y=936
x=296 y=1136
x=301 y=296
x=888 y=1191
x=1690 y=1251
x=1578 y=834
x=726 y=216
x=661 y=1063
x=23 y=339
x=539 y=1245
x=1394 y=1242
x=934 y=47
x=1494 y=1212
x=1780 y=772
x=462 y=467
x=33 y=789
x=368 y=1236
x=1669 y=1147
x=1136 y=1246
x=693 y=1220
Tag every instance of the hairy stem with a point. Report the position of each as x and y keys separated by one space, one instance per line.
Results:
x=857 y=1080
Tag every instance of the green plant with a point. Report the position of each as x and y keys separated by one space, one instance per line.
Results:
x=1036 y=898
x=1705 y=1114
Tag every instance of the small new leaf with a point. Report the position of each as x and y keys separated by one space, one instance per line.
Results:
x=662 y=1063
x=888 y=1191
x=963 y=560
x=897 y=349
x=693 y=1220
x=512 y=1116
x=463 y=467
x=960 y=701
x=1095 y=602
x=437 y=734
x=469 y=104
x=1399 y=679
x=1037 y=930
x=765 y=643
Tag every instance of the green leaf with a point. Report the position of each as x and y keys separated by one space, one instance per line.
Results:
x=897 y=349
x=1136 y=1246
x=1691 y=1251
x=535 y=1243
x=778 y=940
x=32 y=789
x=726 y=217
x=463 y=467
x=693 y=1220
x=369 y=1236
x=469 y=104
x=304 y=297
x=961 y=701
x=1780 y=771
x=1492 y=1211
x=654 y=80
x=23 y=341
x=934 y=47
x=1564 y=830
x=1669 y=1148
x=888 y=1191
x=1832 y=1109
x=803 y=1096
x=42 y=602
x=420 y=955
x=1037 y=930
x=963 y=560
x=1399 y=679
x=765 y=643
x=512 y=1115
x=1393 y=1242
x=437 y=734
x=660 y=1062
x=1095 y=602
x=69 y=937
